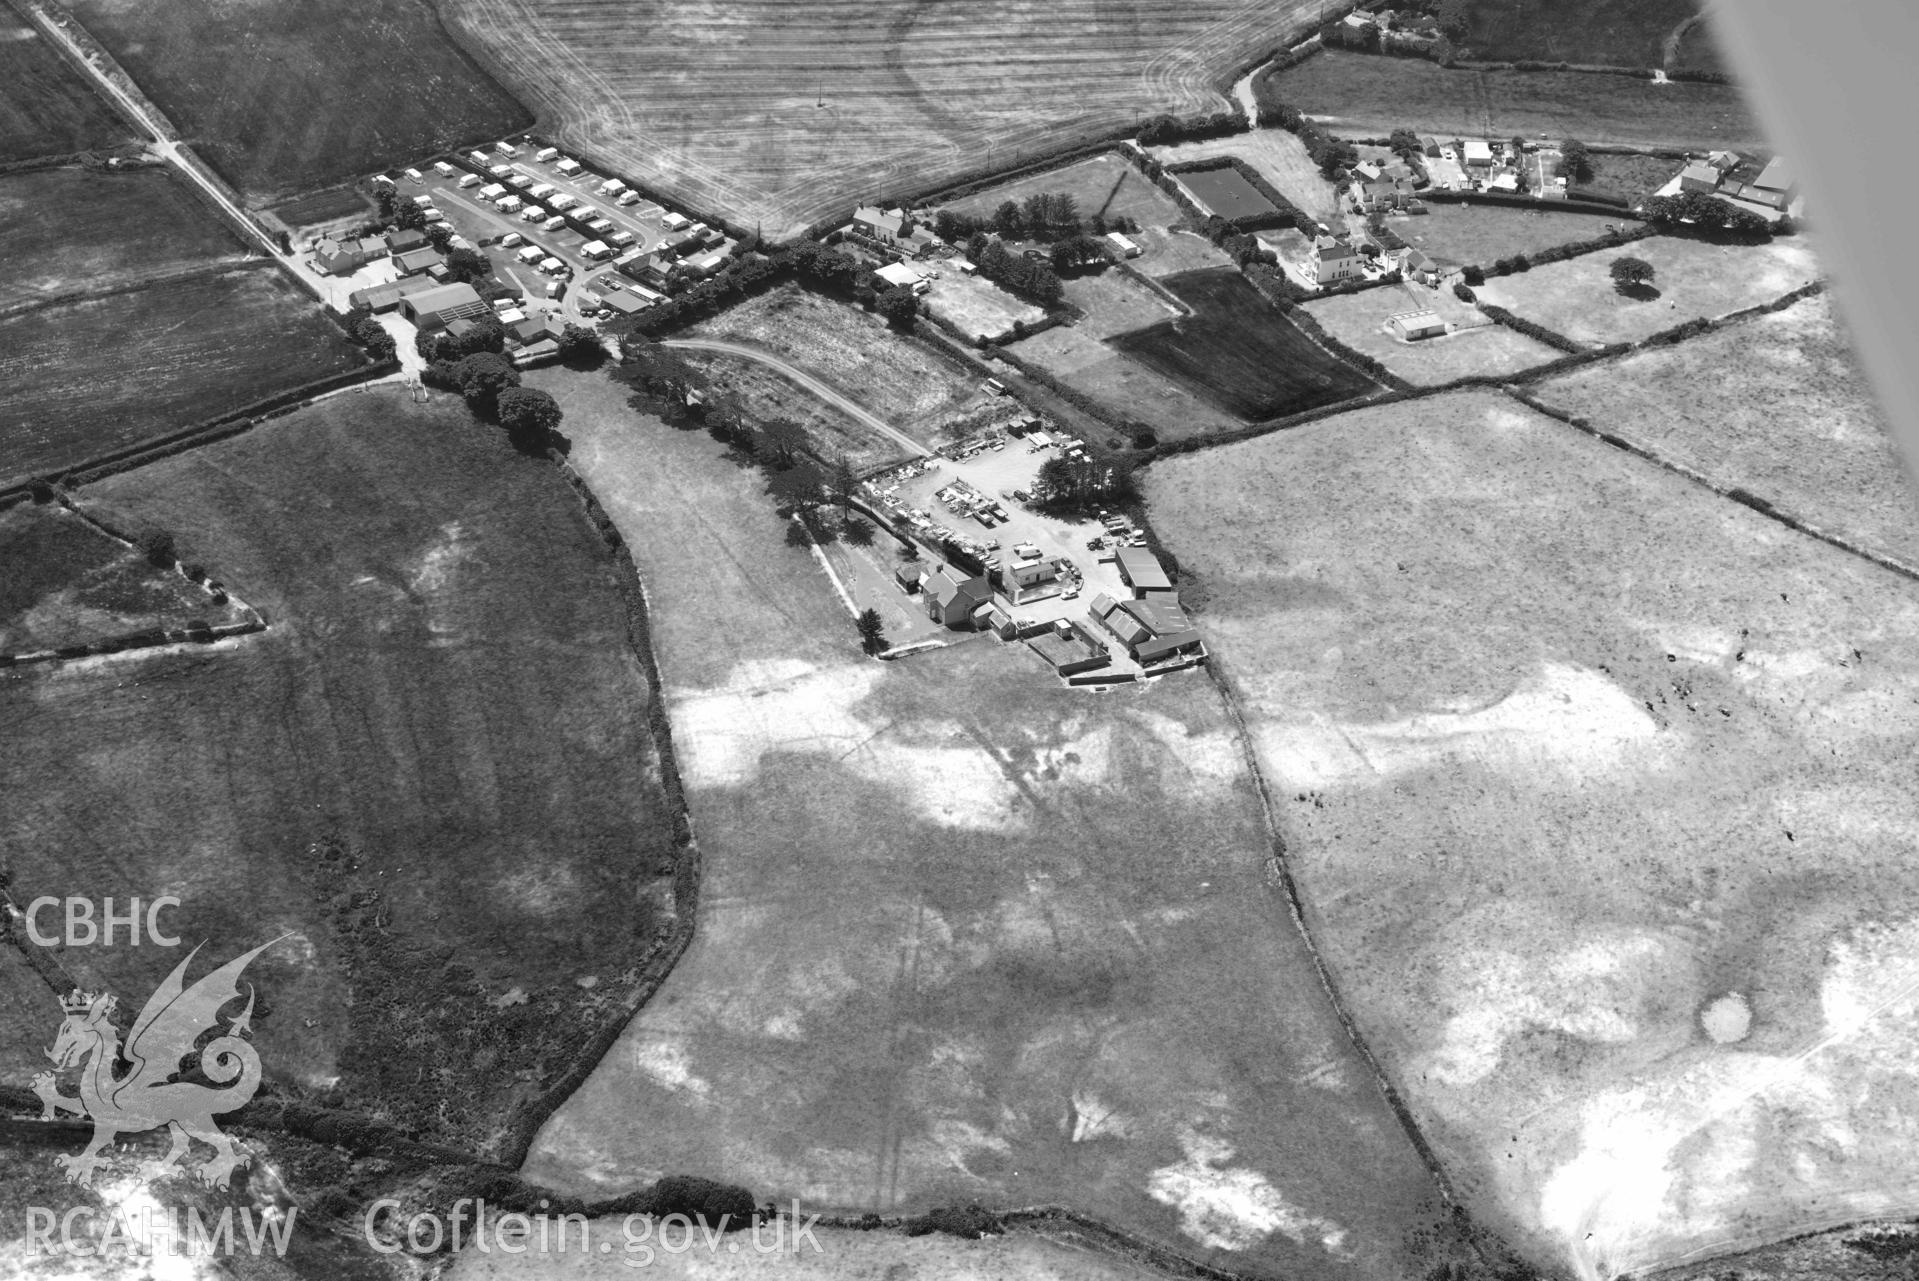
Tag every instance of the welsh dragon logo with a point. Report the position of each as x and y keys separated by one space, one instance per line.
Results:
x=147 y=1096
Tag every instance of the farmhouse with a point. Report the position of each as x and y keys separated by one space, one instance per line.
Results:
x=337 y=259
x=1386 y=193
x=952 y=600
x=438 y=307
x=1333 y=261
x=886 y=226
x=1414 y=325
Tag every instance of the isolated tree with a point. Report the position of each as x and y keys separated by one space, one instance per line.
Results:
x=531 y=417
x=439 y=237
x=1404 y=142
x=1006 y=218
x=1630 y=273
x=386 y=201
x=1575 y=161
x=856 y=531
x=159 y=549
x=899 y=306
x=872 y=631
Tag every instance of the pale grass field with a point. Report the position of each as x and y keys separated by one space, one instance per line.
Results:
x=1569 y=748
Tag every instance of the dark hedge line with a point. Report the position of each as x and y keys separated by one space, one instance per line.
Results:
x=1071 y=395
x=1309 y=323
x=1569 y=205
x=1534 y=64
x=228 y=424
x=984 y=178
x=1290 y=215
x=1540 y=332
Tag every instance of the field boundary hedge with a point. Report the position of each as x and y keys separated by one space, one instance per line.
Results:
x=186 y=271
x=665 y=952
x=1744 y=497
x=1285 y=212
x=1309 y=325
x=1443 y=196
x=1519 y=324
x=87 y=471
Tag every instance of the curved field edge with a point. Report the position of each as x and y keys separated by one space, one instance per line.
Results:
x=380 y=615
x=853 y=101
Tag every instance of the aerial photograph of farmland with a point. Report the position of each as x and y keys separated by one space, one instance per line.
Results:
x=1119 y=640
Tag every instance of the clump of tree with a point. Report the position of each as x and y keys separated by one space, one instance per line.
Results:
x=479 y=378
x=1575 y=160
x=485 y=333
x=899 y=305
x=365 y=330
x=872 y=631
x=159 y=548
x=1631 y=275
x=1703 y=211
x=580 y=347
x=1028 y=277
x=467 y=265
x=1073 y=486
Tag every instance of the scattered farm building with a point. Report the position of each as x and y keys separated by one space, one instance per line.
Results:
x=337 y=258
x=415 y=261
x=1479 y=153
x=1430 y=145
x=900 y=276
x=1123 y=244
x=1032 y=581
x=1140 y=570
x=1149 y=630
x=1414 y=325
x=1699 y=176
x=707 y=264
x=387 y=297
x=440 y=306
x=952 y=599
x=399 y=242
x=908 y=576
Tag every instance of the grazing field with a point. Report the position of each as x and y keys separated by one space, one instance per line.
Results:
x=1279 y=156
x=46 y=107
x=1482 y=234
x=966 y=935
x=445 y=692
x=778 y=114
x=288 y=95
x=1697 y=49
x=82 y=379
x=1606 y=33
x=1776 y=405
x=71 y=231
x=1630 y=176
x=1598 y=788
x=1124 y=386
x=1366 y=95
x=1115 y=303
x=852 y=350
x=333 y=205
x=1105 y=185
x=1239 y=352
x=1226 y=192
x=977 y=306
x=1477 y=346
x=1692 y=278
x=67 y=584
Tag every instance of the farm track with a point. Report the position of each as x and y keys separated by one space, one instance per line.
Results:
x=853 y=102
x=823 y=390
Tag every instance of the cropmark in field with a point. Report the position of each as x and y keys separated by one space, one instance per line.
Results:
x=1598 y=789
x=966 y=935
x=775 y=113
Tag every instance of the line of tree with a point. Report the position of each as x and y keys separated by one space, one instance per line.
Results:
x=1042 y=216
x=1068 y=486
x=1332 y=155
x=365 y=330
